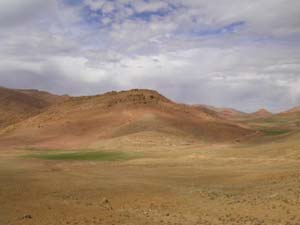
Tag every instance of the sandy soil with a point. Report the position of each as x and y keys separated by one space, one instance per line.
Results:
x=180 y=184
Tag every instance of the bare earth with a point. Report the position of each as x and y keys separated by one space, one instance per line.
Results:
x=182 y=184
x=194 y=165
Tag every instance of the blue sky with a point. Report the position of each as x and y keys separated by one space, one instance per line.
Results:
x=242 y=54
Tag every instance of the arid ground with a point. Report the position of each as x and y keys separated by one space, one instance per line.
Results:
x=154 y=169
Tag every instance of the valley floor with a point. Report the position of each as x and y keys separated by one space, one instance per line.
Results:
x=184 y=184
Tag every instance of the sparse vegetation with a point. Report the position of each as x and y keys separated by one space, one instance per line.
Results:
x=274 y=132
x=86 y=156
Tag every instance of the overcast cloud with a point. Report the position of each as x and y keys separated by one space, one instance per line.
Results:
x=237 y=53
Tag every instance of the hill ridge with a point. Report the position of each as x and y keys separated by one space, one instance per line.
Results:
x=89 y=119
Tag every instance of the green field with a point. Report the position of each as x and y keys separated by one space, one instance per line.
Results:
x=86 y=156
x=274 y=132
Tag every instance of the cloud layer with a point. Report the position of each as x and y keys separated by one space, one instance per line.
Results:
x=243 y=54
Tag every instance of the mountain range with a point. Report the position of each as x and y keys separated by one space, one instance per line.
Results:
x=29 y=117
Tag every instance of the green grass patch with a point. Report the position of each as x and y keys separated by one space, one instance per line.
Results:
x=274 y=132
x=86 y=156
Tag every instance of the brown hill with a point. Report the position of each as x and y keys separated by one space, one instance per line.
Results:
x=293 y=110
x=208 y=109
x=261 y=113
x=17 y=105
x=227 y=113
x=230 y=113
x=86 y=120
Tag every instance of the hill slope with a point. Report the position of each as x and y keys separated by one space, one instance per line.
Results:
x=292 y=110
x=86 y=120
x=227 y=113
x=261 y=113
x=17 y=105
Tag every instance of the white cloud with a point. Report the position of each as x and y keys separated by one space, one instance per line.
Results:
x=17 y=12
x=244 y=54
x=153 y=6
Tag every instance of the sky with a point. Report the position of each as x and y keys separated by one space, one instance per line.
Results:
x=228 y=53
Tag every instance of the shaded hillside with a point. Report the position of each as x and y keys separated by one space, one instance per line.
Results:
x=17 y=105
x=227 y=113
x=85 y=120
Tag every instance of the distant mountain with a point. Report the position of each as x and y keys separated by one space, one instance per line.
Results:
x=233 y=114
x=261 y=113
x=293 y=110
x=227 y=113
